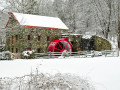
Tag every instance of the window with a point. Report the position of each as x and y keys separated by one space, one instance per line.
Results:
x=48 y=38
x=28 y=37
x=12 y=39
x=12 y=50
x=16 y=37
x=16 y=50
x=38 y=50
x=38 y=38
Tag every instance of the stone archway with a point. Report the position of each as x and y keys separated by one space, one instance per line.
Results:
x=87 y=44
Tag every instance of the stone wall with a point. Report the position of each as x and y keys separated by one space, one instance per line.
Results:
x=22 y=44
x=34 y=44
x=75 y=41
x=99 y=43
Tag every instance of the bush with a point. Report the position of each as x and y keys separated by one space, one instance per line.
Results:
x=6 y=55
x=46 y=82
x=28 y=54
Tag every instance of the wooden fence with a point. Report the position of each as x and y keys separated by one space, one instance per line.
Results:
x=80 y=54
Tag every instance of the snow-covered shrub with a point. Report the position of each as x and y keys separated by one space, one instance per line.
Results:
x=96 y=53
x=6 y=55
x=64 y=54
x=46 y=82
x=28 y=54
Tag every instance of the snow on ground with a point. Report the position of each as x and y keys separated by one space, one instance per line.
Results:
x=103 y=73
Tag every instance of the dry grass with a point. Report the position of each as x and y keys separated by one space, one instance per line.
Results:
x=45 y=82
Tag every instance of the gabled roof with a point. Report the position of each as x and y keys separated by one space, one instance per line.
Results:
x=37 y=21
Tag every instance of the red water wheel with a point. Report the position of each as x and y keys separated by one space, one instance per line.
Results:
x=58 y=46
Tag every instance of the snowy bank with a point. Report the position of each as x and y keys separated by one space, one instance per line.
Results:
x=46 y=82
x=103 y=72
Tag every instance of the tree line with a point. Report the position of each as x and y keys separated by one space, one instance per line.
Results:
x=81 y=16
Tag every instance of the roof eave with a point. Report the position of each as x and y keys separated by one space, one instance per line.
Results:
x=43 y=27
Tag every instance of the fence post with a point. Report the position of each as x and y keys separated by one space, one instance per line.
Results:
x=118 y=52
x=93 y=53
x=50 y=54
x=113 y=53
x=105 y=53
x=79 y=54
x=85 y=53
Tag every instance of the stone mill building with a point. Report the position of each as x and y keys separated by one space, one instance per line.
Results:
x=32 y=32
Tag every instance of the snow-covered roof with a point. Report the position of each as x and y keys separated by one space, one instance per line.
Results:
x=37 y=21
x=86 y=36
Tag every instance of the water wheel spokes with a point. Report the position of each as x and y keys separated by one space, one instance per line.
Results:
x=59 y=46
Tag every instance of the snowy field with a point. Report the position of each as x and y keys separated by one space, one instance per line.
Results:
x=103 y=73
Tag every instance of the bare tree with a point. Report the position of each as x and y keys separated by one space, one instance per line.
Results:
x=79 y=15
x=118 y=31
x=46 y=82
x=22 y=6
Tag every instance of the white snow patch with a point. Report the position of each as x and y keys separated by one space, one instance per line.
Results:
x=114 y=42
x=104 y=73
x=87 y=35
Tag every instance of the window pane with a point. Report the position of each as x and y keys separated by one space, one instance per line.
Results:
x=28 y=37
x=16 y=50
x=48 y=38
x=38 y=38
x=16 y=37
x=38 y=50
x=12 y=50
